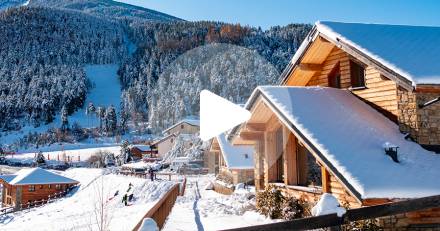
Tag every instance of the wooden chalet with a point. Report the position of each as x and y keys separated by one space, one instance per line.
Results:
x=143 y=151
x=164 y=144
x=30 y=185
x=356 y=116
x=235 y=162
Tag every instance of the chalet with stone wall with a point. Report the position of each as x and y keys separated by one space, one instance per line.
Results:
x=356 y=116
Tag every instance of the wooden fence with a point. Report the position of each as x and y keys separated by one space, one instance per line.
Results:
x=34 y=204
x=332 y=220
x=162 y=208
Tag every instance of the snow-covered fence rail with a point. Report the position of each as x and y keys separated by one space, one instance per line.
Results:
x=160 y=211
x=364 y=213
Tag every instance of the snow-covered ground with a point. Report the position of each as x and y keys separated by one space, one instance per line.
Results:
x=75 y=155
x=78 y=210
x=201 y=209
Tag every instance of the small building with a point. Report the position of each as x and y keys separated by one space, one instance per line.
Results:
x=164 y=144
x=143 y=151
x=189 y=125
x=236 y=163
x=32 y=184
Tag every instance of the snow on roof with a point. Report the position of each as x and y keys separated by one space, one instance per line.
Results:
x=191 y=120
x=236 y=157
x=411 y=51
x=38 y=176
x=350 y=136
x=163 y=139
x=142 y=147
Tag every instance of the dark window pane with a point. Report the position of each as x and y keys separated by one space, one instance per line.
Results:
x=334 y=78
x=357 y=73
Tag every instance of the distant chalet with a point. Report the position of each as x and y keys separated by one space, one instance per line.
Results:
x=33 y=184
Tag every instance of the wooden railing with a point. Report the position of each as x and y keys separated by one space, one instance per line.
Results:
x=160 y=211
x=333 y=221
x=51 y=198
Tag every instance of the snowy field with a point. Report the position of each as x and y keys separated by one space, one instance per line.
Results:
x=75 y=155
x=201 y=209
x=106 y=92
x=78 y=211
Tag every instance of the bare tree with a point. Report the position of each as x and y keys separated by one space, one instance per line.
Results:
x=102 y=211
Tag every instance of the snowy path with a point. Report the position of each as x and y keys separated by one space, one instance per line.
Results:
x=205 y=210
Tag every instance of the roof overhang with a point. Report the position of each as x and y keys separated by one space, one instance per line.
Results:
x=258 y=96
x=315 y=34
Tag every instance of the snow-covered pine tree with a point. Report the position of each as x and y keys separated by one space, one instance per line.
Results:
x=111 y=120
x=39 y=159
x=64 y=118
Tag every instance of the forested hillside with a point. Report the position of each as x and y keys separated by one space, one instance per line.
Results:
x=228 y=71
x=41 y=56
x=44 y=50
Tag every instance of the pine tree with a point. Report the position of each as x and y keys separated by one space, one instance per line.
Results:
x=110 y=120
x=64 y=119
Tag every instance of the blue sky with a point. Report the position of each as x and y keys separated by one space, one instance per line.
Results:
x=266 y=13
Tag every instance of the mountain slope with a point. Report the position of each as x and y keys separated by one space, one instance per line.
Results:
x=106 y=8
x=5 y=4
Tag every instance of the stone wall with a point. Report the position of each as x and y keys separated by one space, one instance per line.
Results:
x=426 y=220
x=423 y=124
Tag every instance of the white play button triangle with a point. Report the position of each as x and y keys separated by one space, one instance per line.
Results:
x=218 y=115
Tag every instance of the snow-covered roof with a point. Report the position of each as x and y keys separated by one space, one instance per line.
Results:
x=38 y=176
x=143 y=148
x=236 y=157
x=163 y=139
x=349 y=136
x=410 y=51
x=191 y=120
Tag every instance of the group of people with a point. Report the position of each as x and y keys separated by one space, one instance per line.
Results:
x=128 y=196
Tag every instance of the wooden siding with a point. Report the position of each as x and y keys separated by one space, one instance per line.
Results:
x=380 y=91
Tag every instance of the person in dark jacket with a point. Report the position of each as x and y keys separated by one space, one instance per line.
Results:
x=125 y=200
x=151 y=174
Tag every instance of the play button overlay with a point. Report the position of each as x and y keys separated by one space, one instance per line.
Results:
x=218 y=115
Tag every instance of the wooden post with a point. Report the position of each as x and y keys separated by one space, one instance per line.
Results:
x=289 y=155
x=325 y=175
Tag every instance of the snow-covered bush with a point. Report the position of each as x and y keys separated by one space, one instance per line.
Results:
x=328 y=204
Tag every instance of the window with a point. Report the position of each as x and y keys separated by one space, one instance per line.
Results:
x=49 y=186
x=182 y=126
x=357 y=75
x=246 y=156
x=334 y=77
x=41 y=186
x=31 y=188
x=58 y=187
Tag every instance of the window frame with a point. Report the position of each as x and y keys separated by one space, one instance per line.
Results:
x=31 y=188
x=357 y=82
x=335 y=76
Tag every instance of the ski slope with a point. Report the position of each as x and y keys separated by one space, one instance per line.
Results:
x=106 y=92
x=78 y=210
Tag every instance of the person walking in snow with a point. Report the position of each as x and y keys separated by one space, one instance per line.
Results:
x=124 y=199
x=129 y=187
x=151 y=174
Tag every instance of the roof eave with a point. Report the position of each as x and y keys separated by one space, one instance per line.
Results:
x=296 y=59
